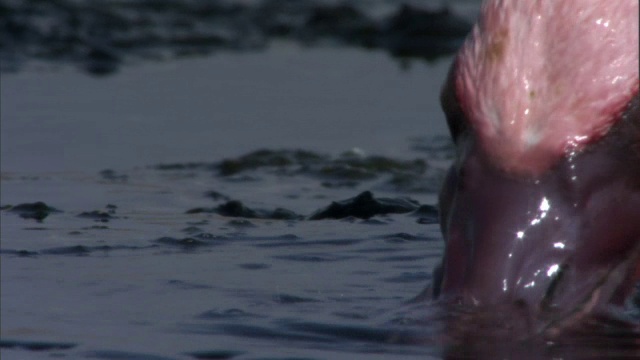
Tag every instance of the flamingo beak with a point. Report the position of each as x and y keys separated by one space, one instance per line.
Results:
x=564 y=243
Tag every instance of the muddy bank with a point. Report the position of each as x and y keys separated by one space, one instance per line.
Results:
x=101 y=36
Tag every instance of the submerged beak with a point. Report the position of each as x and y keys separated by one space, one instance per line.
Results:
x=561 y=244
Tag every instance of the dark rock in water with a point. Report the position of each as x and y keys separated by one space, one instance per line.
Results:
x=254 y=266
x=329 y=17
x=215 y=354
x=349 y=169
x=414 y=32
x=344 y=22
x=291 y=299
x=37 y=210
x=98 y=215
x=411 y=21
x=346 y=170
x=122 y=355
x=365 y=206
x=96 y=227
x=216 y=196
x=188 y=242
x=282 y=18
x=184 y=166
x=20 y=253
x=101 y=61
x=236 y=208
x=35 y=345
x=112 y=175
x=200 y=210
x=279 y=159
x=352 y=167
x=68 y=250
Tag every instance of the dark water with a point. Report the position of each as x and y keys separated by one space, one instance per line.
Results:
x=182 y=209
x=137 y=274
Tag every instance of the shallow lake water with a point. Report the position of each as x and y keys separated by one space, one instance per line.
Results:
x=176 y=210
x=141 y=278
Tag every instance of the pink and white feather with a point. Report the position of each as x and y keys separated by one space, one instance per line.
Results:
x=540 y=78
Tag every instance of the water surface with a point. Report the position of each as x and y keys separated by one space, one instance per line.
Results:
x=164 y=210
x=149 y=279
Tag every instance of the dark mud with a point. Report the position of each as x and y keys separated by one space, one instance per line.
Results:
x=100 y=36
x=365 y=206
x=37 y=211
x=35 y=345
x=236 y=208
x=359 y=170
x=349 y=169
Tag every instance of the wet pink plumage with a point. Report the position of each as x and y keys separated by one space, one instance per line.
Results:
x=538 y=79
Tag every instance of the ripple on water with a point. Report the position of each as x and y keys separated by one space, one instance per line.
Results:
x=330 y=287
